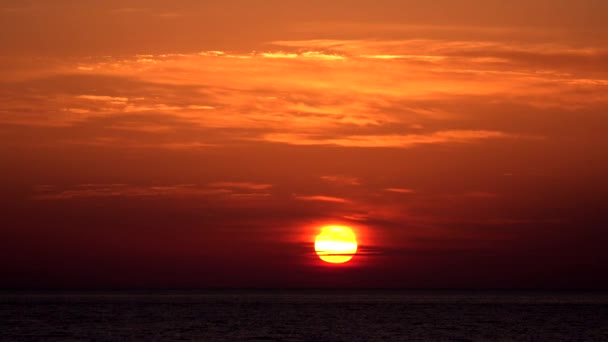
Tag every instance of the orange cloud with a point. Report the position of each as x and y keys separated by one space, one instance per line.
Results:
x=400 y=190
x=124 y=190
x=350 y=93
x=342 y=180
x=322 y=198
x=400 y=141
x=225 y=190
x=241 y=185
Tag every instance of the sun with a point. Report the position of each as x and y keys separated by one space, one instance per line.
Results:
x=336 y=244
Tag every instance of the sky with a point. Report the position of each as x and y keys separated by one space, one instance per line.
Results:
x=197 y=144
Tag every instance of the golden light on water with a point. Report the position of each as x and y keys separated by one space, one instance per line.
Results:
x=336 y=244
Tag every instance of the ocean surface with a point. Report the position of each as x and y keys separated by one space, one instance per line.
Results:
x=305 y=316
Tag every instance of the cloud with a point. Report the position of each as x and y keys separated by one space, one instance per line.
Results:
x=170 y=15
x=341 y=180
x=377 y=141
x=177 y=145
x=134 y=143
x=348 y=93
x=122 y=190
x=356 y=217
x=321 y=198
x=241 y=185
x=136 y=126
x=127 y=10
x=146 y=11
x=109 y=99
x=400 y=190
x=279 y=55
x=93 y=190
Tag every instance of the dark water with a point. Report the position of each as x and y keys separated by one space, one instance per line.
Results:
x=305 y=316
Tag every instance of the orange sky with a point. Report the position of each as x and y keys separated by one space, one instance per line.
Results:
x=158 y=144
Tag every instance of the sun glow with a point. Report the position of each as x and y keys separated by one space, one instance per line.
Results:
x=336 y=244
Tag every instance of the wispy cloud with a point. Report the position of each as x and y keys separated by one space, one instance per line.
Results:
x=109 y=99
x=400 y=190
x=322 y=198
x=241 y=185
x=124 y=190
x=348 y=93
x=129 y=10
x=399 y=141
x=93 y=190
x=147 y=11
x=341 y=180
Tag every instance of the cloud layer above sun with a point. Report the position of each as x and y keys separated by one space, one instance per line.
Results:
x=348 y=93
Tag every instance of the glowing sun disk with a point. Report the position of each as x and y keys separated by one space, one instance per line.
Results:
x=336 y=244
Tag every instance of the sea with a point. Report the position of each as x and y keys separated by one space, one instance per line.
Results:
x=304 y=315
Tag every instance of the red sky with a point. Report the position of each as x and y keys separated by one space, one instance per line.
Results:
x=189 y=144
